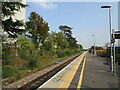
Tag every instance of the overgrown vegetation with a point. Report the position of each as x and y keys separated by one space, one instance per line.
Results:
x=38 y=49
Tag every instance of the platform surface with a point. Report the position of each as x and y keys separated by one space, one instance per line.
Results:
x=86 y=71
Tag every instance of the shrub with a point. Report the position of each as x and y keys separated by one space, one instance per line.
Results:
x=68 y=52
x=20 y=74
x=7 y=55
x=25 y=48
x=6 y=61
x=33 y=62
x=8 y=71
x=61 y=53
x=73 y=52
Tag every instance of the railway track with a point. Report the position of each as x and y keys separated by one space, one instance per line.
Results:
x=43 y=78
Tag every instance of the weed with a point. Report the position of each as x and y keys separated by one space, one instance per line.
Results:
x=8 y=71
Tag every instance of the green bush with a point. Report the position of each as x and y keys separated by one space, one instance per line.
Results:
x=71 y=52
x=20 y=74
x=0 y=72
x=25 y=48
x=6 y=55
x=32 y=62
x=68 y=52
x=6 y=61
x=61 y=53
x=8 y=71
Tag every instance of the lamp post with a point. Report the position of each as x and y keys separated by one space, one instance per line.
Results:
x=94 y=45
x=110 y=24
x=114 y=66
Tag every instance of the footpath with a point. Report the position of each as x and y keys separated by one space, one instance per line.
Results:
x=97 y=74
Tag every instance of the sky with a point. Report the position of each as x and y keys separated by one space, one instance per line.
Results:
x=86 y=19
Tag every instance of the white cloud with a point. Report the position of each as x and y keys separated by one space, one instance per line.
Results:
x=47 y=5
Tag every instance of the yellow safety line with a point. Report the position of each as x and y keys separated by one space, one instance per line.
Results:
x=81 y=76
x=68 y=79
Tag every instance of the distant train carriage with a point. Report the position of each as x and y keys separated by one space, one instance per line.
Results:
x=102 y=53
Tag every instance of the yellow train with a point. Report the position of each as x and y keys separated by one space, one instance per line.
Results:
x=102 y=53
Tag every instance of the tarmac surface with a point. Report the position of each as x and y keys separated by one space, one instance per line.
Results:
x=86 y=71
x=97 y=73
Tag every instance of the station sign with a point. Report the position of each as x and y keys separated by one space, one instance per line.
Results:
x=117 y=36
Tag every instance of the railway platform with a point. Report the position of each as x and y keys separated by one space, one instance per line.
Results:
x=86 y=71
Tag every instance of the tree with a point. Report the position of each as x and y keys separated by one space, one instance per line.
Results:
x=24 y=44
x=72 y=43
x=55 y=41
x=61 y=40
x=48 y=43
x=11 y=26
x=66 y=31
x=98 y=48
x=80 y=46
x=25 y=48
x=37 y=29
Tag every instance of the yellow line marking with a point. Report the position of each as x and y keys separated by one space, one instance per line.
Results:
x=81 y=76
x=68 y=79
